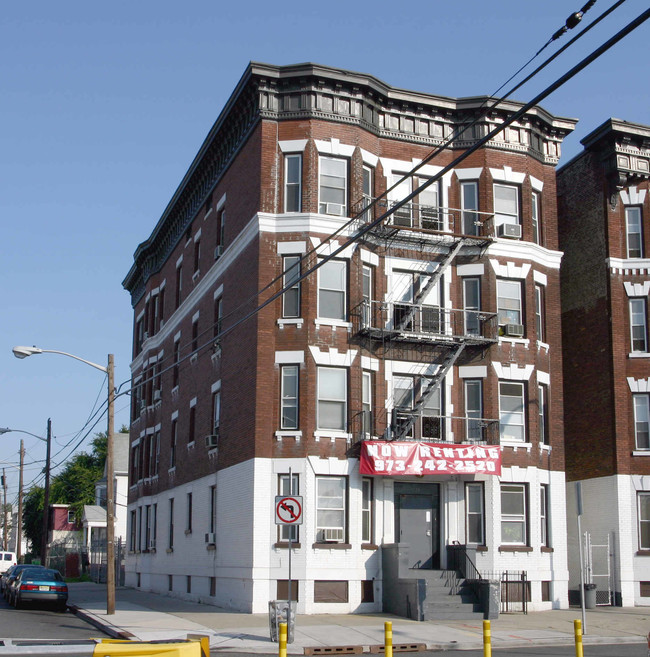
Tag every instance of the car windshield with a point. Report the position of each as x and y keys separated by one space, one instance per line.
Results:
x=41 y=574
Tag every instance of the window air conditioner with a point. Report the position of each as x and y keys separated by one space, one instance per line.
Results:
x=514 y=330
x=211 y=538
x=212 y=440
x=218 y=252
x=334 y=208
x=333 y=534
x=512 y=231
x=156 y=395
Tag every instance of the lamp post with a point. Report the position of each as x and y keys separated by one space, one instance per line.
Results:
x=46 y=501
x=24 y=352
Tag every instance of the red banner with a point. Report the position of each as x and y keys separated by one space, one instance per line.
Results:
x=379 y=457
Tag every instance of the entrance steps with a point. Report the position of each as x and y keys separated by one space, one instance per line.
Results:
x=446 y=597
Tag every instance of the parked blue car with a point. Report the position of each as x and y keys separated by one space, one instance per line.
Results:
x=39 y=585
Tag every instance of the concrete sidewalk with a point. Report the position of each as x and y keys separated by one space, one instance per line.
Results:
x=149 y=616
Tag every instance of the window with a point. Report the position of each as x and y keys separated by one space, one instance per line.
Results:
x=644 y=521
x=366 y=284
x=634 y=232
x=513 y=514
x=221 y=231
x=506 y=204
x=179 y=284
x=188 y=524
x=543 y=515
x=291 y=285
x=639 y=325
x=195 y=335
x=289 y=396
x=175 y=370
x=154 y=523
x=132 y=533
x=472 y=305
x=366 y=404
x=331 y=509
x=332 y=186
x=191 y=434
x=287 y=487
x=537 y=233
x=367 y=192
x=540 y=324
x=292 y=183
x=366 y=510
x=197 y=255
x=213 y=509
x=428 y=199
x=155 y=454
x=216 y=328
x=172 y=446
x=475 y=513
x=70 y=517
x=469 y=208
x=542 y=393
x=641 y=421
x=147 y=527
x=405 y=399
x=332 y=285
x=509 y=307
x=332 y=398
x=473 y=409
x=170 y=533
x=511 y=412
x=216 y=412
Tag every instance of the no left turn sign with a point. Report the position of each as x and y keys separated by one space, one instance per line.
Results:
x=288 y=510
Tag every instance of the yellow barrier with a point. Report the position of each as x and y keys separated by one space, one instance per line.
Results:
x=577 y=632
x=124 y=648
x=487 y=639
x=282 y=636
x=388 y=639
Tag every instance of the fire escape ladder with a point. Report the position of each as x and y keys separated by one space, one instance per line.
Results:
x=407 y=318
x=404 y=427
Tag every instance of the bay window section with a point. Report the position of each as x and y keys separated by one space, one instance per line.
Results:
x=506 y=204
x=332 y=399
x=512 y=423
x=333 y=186
x=331 y=509
x=332 y=286
x=509 y=307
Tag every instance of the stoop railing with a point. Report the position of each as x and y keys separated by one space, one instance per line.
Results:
x=458 y=559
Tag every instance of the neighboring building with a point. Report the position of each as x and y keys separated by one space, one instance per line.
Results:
x=63 y=527
x=437 y=325
x=603 y=205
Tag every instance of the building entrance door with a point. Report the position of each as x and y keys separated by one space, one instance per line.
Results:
x=417 y=522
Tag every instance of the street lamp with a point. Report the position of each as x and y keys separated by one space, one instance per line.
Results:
x=23 y=352
x=46 y=501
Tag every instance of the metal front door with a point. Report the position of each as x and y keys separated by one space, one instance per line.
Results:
x=418 y=524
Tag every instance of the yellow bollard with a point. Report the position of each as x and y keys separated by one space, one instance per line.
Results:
x=487 y=639
x=121 y=648
x=282 y=651
x=577 y=633
x=388 y=639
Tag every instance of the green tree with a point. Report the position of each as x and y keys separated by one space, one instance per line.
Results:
x=33 y=516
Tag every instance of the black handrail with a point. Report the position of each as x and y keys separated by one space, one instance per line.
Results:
x=461 y=562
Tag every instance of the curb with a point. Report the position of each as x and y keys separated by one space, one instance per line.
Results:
x=107 y=628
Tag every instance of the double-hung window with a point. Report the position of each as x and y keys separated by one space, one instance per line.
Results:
x=332 y=398
x=366 y=404
x=514 y=530
x=366 y=510
x=292 y=183
x=506 y=204
x=540 y=324
x=474 y=409
x=333 y=186
x=634 y=232
x=288 y=487
x=366 y=308
x=535 y=210
x=642 y=421
x=509 y=302
x=170 y=525
x=512 y=406
x=366 y=192
x=643 y=501
x=542 y=401
x=172 y=444
x=472 y=305
x=331 y=509
x=429 y=201
x=291 y=285
x=289 y=396
x=469 y=208
x=475 y=513
x=216 y=412
x=639 y=325
x=543 y=515
x=332 y=286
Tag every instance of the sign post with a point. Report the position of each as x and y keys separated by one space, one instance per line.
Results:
x=288 y=511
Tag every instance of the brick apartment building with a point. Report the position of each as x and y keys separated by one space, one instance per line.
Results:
x=603 y=201
x=409 y=389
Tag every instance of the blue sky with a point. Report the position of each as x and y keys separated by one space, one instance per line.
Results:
x=104 y=106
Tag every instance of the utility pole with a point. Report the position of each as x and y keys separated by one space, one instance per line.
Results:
x=110 y=492
x=46 y=501
x=4 y=510
x=19 y=532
